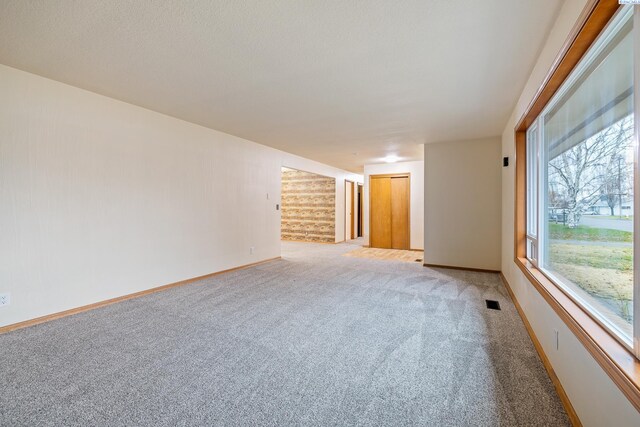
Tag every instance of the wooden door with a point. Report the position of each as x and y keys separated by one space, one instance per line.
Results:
x=389 y=211
x=359 y=210
x=349 y=219
x=400 y=212
x=353 y=214
x=380 y=215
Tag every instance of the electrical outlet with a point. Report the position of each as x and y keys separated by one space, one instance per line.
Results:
x=251 y=249
x=5 y=299
x=556 y=335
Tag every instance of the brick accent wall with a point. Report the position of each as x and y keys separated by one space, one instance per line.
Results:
x=308 y=207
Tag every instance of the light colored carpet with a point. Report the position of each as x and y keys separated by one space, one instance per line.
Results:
x=314 y=339
x=386 y=254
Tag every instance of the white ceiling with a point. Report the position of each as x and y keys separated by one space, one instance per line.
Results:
x=320 y=78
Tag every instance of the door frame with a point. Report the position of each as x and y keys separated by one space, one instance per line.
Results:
x=391 y=175
x=360 y=192
x=346 y=183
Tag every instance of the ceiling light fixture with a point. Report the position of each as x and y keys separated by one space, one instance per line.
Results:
x=391 y=158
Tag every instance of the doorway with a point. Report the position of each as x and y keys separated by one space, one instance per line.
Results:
x=359 y=211
x=349 y=220
x=389 y=211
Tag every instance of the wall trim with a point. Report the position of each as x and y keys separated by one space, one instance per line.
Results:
x=310 y=241
x=82 y=309
x=564 y=398
x=453 y=267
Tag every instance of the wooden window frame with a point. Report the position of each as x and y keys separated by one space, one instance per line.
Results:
x=616 y=360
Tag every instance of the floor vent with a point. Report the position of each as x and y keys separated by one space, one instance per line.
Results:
x=493 y=305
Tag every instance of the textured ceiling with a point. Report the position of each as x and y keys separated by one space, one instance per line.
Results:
x=319 y=78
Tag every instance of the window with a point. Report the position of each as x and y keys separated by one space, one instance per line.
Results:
x=580 y=192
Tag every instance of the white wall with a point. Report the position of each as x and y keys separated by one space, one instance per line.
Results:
x=416 y=169
x=462 y=204
x=99 y=198
x=596 y=399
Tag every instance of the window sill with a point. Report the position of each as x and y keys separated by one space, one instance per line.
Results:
x=616 y=360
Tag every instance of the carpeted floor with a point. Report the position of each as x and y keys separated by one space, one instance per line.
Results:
x=314 y=339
